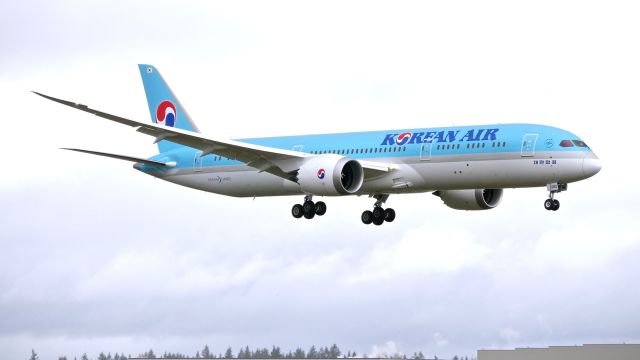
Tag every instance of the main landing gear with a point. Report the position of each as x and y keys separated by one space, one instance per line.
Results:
x=378 y=215
x=308 y=209
x=551 y=203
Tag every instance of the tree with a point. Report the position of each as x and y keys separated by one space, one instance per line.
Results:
x=276 y=353
x=62 y=357
x=312 y=353
x=247 y=352
x=299 y=354
x=147 y=355
x=229 y=353
x=84 y=357
x=206 y=354
x=34 y=355
x=334 y=352
x=102 y=356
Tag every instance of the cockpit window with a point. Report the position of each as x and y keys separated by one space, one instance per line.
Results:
x=579 y=143
x=566 y=143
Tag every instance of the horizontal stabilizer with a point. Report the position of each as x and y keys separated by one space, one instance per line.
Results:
x=123 y=157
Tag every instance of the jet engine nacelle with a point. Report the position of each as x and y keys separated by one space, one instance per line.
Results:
x=330 y=174
x=472 y=199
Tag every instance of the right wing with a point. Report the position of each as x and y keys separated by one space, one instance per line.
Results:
x=282 y=163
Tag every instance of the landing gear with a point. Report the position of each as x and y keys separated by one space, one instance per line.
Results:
x=551 y=203
x=308 y=209
x=379 y=215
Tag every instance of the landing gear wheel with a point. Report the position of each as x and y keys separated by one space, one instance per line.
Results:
x=309 y=209
x=548 y=204
x=378 y=213
x=367 y=217
x=321 y=208
x=378 y=221
x=297 y=211
x=389 y=215
x=556 y=205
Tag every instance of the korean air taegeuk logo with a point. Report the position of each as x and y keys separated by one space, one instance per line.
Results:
x=166 y=113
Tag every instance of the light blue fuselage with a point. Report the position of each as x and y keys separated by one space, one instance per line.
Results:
x=448 y=158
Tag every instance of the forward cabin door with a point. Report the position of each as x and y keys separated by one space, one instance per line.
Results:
x=529 y=145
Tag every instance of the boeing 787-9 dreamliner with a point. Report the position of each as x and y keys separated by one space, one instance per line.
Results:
x=466 y=166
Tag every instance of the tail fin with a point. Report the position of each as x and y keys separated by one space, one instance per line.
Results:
x=164 y=107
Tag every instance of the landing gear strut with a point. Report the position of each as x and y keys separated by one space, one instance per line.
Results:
x=551 y=203
x=379 y=215
x=308 y=209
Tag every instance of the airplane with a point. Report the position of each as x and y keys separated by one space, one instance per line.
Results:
x=467 y=167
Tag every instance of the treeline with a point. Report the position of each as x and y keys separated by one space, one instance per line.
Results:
x=332 y=352
x=326 y=352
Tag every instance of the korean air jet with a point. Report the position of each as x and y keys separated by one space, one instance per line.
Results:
x=466 y=166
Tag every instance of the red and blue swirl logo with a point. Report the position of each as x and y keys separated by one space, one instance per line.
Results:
x=403 y=138
x=320 y=174
x=166 y=113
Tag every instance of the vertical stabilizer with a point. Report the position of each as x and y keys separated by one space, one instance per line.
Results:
x=164 y=107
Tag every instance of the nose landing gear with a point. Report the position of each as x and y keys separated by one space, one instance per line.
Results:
x=551 y=203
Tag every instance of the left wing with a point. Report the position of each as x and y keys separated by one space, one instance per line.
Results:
x=282 y=163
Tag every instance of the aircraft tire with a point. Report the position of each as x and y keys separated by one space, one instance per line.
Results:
x=378 y=221
x=548 y=204
x=321 y=208
x=297 y=211
x=367 y=217
x=556 y=205
x=389 y=215
x=378 y=213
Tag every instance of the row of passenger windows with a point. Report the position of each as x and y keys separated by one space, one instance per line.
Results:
x=361 y=151
x=471 y=146
x=392 y=149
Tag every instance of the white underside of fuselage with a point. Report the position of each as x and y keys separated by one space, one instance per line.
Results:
x=410 y=175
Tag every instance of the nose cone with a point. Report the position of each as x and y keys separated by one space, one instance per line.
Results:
x=590 y=166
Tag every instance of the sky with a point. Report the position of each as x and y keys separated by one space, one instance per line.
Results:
x=95 y=256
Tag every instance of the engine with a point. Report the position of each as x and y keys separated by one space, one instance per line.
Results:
x=472 y=199
x=330 y=174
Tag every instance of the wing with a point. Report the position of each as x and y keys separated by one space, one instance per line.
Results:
x=124 y=157
x=283 y=163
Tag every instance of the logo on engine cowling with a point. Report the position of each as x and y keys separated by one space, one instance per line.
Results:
x=320 y=174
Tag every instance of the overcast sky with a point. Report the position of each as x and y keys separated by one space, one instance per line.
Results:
x=95 y=256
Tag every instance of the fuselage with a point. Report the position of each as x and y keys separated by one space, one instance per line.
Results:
x=448 y=158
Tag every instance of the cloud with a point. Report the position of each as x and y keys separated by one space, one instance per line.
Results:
x=509 y=335
x=440 y=340
x=586 y=244
x=421 y=250
x=95 y=255
x=386 y=350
